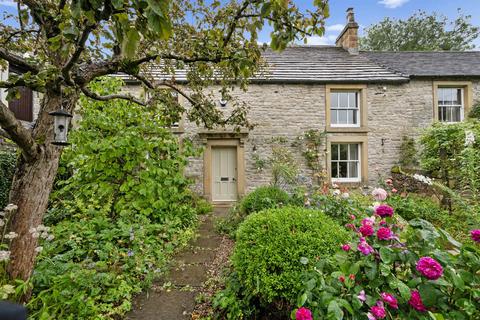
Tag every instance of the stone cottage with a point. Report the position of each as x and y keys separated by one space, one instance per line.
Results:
x=365 y=102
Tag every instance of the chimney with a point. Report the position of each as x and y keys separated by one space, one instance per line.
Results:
x=348 y=38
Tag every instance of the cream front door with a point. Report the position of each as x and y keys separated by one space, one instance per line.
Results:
x=224 y=174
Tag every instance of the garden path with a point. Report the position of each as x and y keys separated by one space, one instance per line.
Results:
x=173 y=298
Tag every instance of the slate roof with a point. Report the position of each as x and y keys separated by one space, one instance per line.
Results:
x=429 y=64
x=312 y=64
x=324 y=64
x=330 y=64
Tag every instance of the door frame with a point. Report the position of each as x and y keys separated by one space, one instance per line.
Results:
x=207 y=166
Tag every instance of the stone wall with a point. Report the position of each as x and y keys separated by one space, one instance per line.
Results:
x=287 y=111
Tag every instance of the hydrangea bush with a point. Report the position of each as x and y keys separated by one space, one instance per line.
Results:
x=394 y=270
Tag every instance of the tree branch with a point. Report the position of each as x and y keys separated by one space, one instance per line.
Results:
x=95 y=96
x=17 y=61
x=17 y=132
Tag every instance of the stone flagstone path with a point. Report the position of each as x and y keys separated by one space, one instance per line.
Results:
x=173 y=298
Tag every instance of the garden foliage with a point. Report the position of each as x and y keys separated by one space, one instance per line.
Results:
x=261 y=198
x=449 y=154
x=8 y=160
x=119 y=215
x=270 y=246
x=393 y=270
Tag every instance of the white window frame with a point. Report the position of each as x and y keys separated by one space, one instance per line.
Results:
x=358 y=109
x=359 y=162
x=462 y=105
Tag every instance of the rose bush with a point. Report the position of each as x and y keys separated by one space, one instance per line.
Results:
x=395 y=270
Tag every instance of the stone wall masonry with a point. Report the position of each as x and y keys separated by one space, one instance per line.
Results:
x=287 y=111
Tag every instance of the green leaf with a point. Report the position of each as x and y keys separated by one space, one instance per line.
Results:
x=159 y=25
x=130 y=43
x=436 y=316
x=404 y=290
x=335 y=310
x=387 y=255
x=302 y=299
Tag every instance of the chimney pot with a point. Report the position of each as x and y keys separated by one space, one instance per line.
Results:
x=350 y=15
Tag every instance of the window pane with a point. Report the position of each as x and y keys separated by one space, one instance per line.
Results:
x=353 y=169
x=334 y=151
x=343 y=170
x=456 y=114
x=342 y=116
x=343 y=151
x=353 y=152
x=334 y=169
x=458 y=97
x=343 y=103
x=333 y=116
x=334 y=100
x=352 y=100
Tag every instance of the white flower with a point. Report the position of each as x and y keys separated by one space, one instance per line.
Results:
x=336 y=192
x=345 y=195
x=35 y=235
x=335 y=186
x=38 y=249
x=44 y=235
x=469 y=138
x=11 y=207
x=50 y=237
x=2 y=223
x=4 y=255
x=11 y=235
x=2 y=213
x=423 y=179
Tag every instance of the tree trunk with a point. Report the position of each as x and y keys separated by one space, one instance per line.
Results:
x=30 y=191
x=31 y=187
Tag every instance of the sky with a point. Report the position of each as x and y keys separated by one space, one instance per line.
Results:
x=367 y=12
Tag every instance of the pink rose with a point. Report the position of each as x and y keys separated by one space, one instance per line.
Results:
x=368 y=221
x=384 y=211
x=362 y=296
x=475 y=235
x=303 y=314
x=378 y=312
x=416 y=301
x=384 y=233
x=341 y=279
x=389 y=182
x=389 y=299
x=394 y=190
x=366 y=230
x=429 y=268
x=346 y=247
x=379 y=194
x=364 y=247
x=352 y=217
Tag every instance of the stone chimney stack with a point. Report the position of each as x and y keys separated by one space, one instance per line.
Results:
x=348 y=38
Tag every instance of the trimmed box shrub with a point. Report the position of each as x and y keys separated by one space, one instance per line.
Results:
x=273 y=246
x=264 y=198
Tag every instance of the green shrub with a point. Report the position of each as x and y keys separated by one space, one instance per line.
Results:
x=7 y=169
x=264 y=198
x=257 y=200
x=272 y=243
x=475 y=112
x=413 y=206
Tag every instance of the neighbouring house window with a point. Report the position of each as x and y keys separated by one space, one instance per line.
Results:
x=451 y=104
x=345 y=108
x=345 y=162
